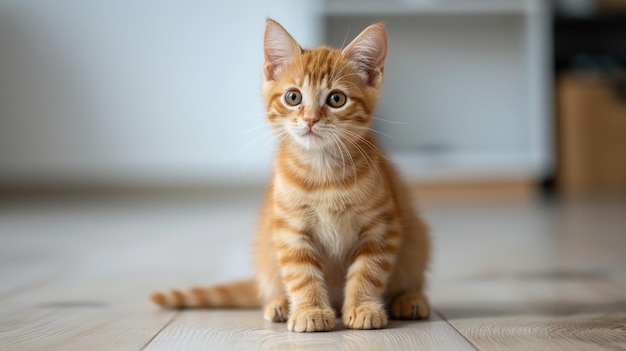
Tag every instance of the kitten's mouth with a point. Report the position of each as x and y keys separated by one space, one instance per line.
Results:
x=311 y=133
x=309 y=139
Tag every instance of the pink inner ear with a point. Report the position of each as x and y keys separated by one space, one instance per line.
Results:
x=279 y=48
x=369 y=50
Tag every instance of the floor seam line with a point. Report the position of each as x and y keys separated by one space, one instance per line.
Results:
x=456 y=330
x=160 y=330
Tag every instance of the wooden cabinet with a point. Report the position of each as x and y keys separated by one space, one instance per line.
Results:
x=592 y=136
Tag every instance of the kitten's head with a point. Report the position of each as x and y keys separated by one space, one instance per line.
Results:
x=321 y=97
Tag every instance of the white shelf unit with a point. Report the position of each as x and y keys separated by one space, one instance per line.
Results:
x=396 y=7
x=467 y=84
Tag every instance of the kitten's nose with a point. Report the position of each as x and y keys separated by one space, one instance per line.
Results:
x=310 y=121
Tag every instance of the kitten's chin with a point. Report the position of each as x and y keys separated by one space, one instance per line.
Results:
x=311 y=141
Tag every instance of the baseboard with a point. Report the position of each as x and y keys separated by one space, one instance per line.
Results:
x=423 y=191
x=475 y=190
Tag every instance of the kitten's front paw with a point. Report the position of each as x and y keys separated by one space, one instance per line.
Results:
x=311 y=320
x=277 y=310
x=365 y=316
x=410 y=306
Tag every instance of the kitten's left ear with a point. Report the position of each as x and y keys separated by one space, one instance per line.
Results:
x=369 y=50
x=279 y=47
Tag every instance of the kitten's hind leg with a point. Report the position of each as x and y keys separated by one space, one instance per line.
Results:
x=277 y=309
x=410 y=305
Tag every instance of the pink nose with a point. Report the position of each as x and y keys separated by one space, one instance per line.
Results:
x=310 y=121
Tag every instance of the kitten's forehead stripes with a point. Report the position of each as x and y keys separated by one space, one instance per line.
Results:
x=321 y=64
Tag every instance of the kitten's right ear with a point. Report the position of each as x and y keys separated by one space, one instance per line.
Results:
x=279 y=48
x=368 y=50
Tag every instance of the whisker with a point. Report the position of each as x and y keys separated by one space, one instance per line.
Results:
x=381 y=133
x=353 y=139
x=343 y=161
x=370 y=163
x=373 y=147
x=338 y=136
x=351 y=160
x=343 y=45
x=279 y=138
x=255 y=139
x=272 y=137
x=332 y=71
x=389 y=121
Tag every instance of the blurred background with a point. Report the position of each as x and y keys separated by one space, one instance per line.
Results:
x=507 y=96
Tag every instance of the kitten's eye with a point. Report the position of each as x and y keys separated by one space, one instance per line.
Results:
x=293 y=97
x=336 y=99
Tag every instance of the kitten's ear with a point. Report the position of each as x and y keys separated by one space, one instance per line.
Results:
x=369 y=50
x=279 y=47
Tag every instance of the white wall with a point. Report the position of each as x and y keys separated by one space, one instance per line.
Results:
x=133 y=91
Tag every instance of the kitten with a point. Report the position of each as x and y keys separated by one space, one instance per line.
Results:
x=337 y=231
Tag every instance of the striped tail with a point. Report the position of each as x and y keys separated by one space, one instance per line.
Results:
x=236 y=294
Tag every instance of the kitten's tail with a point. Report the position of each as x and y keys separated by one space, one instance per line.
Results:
x=236 y=294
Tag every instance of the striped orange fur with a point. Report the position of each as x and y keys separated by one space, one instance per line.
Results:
x=235 y=294
x=337 y=232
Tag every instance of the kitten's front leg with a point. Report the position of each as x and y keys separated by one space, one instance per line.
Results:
x=302 y=273
x=370 y=267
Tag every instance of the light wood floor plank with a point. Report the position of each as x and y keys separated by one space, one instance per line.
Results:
x=83 y=314
x=81 y=327
x=538 y=332
x=246 y=330
x=572 y=312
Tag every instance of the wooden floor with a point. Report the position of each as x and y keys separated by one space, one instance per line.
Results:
x=75 y=275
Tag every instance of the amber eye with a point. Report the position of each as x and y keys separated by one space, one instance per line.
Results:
x=293 y=97
x=336 y=99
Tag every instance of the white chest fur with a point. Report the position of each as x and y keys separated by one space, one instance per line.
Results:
x=335 y=232
x=336 y=235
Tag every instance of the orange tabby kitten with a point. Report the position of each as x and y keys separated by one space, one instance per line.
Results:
x=337 y=230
